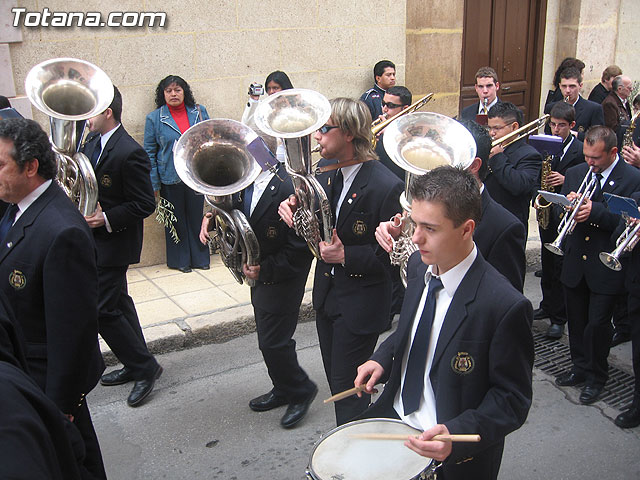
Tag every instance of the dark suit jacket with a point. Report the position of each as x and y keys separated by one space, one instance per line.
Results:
x=587 y=114
x=469 y=112
x=490 y=322
x=574 y=156
x=632 y=265
x=582 y=248
x=285 y=259
x=125 y=195
x=48 y=267
x=364 y=283
x=500 y=238
x=513 y=175
x=598 y=93
x=615 y=113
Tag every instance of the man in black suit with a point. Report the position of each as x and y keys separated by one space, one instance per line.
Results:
x=487 y=86
x=460 y=360
x=280 y=280
x=352 y=284
x=125 y=199
x=616 y=106
x=384 y=75
x=590 y=287
x=513 y=171
x=602 y=89
x=552 y=304
x=499 y=235
x=587 y=113
x=48 y=267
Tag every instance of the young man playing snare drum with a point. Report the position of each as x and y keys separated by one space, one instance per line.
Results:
x=463 y=348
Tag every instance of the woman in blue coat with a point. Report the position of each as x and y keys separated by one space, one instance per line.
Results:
x=176 y=112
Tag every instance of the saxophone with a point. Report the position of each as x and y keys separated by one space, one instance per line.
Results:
x=627 y=139
x=543 y=212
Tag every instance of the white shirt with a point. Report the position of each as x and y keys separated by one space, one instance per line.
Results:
x=426 y=415
x=260 y=184
x=30 y=198
x=564 y=150
x=605 y=174
x=348 y=175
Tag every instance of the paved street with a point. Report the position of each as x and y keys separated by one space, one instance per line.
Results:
x=197 y=424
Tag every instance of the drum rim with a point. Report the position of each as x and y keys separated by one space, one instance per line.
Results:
x=341 y=427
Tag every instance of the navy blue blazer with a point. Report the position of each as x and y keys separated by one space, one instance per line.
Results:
x=469 y=112
x=587 y=114
x=125 y=195
x=489 y=323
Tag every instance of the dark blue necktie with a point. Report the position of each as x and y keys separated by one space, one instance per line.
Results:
x=597 y=187
x=7 y=220
x=338 y=183
x=417 y=361
x=248 y=195
x=96 y=153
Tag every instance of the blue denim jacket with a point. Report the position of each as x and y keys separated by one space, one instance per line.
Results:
x=160 y=134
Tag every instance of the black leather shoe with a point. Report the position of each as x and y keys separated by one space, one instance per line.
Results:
x=569 y=379
x=296 y=411
x=142 y=388
x=555 y=331
x=266 y=402
x=203 y=267
x=619 y=338
x=590 y=394
x=629 y=418
x=185 y=269
x=540 y=314
x=117 y=377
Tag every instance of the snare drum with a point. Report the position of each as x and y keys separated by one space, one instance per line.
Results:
x=338 y=455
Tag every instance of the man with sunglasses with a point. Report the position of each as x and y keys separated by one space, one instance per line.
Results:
x=352 y=284
x=513 y=170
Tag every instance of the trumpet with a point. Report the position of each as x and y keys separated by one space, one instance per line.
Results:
x=378 y=124
x=625 y=243
x=521 y=132
x=568 y=223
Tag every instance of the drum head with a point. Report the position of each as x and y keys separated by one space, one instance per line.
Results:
x=339 y=455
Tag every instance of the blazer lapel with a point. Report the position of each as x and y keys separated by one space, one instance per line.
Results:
x=355 y=192
x=113 y=140
x=412 y=297
x=457 y=313
x=167 y=119
x=267 y=197
x=615 y=177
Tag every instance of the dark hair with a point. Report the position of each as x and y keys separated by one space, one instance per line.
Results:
x=570 y=72
x=29 y=142
x=116 y=104
x=564 y=111
x=402 y=92
x=600 y=133
x=280 y=78
x=379 y=68
x=507 y=111
x=486 y=72
x=483 y=145
x=4 y=102
x=568 y=62
x=611 y=71
x=454 y=188
x=189 y=101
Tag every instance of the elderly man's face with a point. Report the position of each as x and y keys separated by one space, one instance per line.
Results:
x=13 y=181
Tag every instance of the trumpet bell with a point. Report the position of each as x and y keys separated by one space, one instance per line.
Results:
x=554 y=248
x=212 y=157
x=610 y=261
x=419 y=142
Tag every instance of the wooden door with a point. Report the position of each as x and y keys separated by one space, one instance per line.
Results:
x=507 y=35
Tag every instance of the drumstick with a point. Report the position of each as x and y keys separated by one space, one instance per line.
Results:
x=399 y=436
x=346 y=393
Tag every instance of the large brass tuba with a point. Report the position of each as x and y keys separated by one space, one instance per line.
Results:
x=419 y=142
x=212 y=158
x=70 y=91
x=293 y=115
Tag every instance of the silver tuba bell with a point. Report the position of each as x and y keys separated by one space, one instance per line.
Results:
x=212 y=158
x=417 y=143
x=294 y=115
x=70 y=91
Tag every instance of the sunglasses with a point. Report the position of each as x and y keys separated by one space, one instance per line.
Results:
x=326 y=128
x=391 y=104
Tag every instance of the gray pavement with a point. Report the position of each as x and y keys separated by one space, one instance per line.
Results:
x=197 y=424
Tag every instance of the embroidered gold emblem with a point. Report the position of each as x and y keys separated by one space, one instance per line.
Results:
x=272 y=232
x=106 y=181
x=462 y=363
x=17 y=280
x=580 y=129
x=359 y=227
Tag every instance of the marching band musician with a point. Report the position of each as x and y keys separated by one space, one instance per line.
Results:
x=461 y=358
x=590 y=287
x=352 y=284
x=499 y=235
x=552 y=304
x=48 y=263
x=487 y=86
